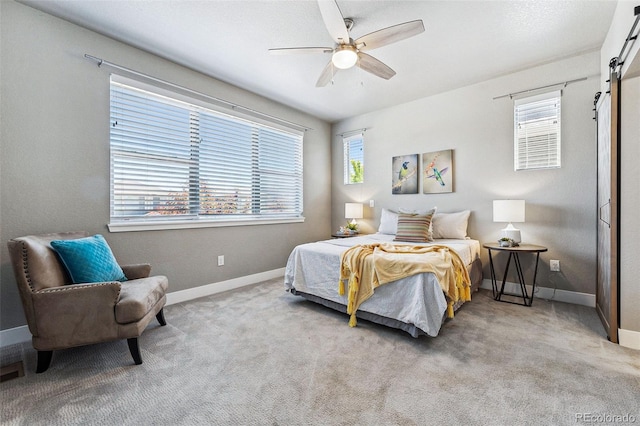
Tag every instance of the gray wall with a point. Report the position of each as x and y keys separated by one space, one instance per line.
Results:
x=560 y=203
x=55 y=158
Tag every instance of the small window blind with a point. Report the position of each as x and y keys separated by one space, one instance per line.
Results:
x=174 y=160
x=537 y=132
x=353 y=158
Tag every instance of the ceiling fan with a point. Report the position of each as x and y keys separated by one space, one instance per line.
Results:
x=348 y=52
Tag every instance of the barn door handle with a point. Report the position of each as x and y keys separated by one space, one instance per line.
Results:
x=600 y=212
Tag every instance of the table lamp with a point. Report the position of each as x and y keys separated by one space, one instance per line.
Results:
x=353 y=211
x=509 y=211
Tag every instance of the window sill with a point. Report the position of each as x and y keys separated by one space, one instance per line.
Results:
x=131 y=226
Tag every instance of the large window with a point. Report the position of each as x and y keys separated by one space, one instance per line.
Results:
x=537 y=132
x=353 y=158
x=174 y=161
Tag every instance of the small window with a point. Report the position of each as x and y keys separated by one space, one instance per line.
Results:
x=537 y=132
x=353 y=159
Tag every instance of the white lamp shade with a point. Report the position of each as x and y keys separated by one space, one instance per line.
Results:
x=353 y=210
x=508 y=211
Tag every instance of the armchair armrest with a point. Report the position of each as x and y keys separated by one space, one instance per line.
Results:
x=134 y=272
x=75 y=315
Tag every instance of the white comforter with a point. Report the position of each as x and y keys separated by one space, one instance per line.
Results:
x=314 y=268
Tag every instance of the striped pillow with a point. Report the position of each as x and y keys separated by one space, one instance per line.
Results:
x=414 y=228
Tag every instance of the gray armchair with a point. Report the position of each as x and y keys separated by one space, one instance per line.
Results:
x=62 y=315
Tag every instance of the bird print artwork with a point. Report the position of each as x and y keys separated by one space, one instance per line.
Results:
x=405 y=174
x=403 y=170
x=438 y=175
x=436 y=165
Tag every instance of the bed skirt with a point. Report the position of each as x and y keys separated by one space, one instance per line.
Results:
x=475 y=274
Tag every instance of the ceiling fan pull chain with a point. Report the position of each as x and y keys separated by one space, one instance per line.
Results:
x=333 y=73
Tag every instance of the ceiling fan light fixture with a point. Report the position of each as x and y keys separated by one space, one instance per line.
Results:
x=344 y=57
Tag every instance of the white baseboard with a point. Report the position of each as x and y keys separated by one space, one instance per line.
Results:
x=547 y=293
x=21 y=334
x=219 y=287
x=629 y=338
x=11 y=336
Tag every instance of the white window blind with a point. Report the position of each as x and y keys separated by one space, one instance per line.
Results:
x=175 y=160
x=353 y=158
x=537 y=132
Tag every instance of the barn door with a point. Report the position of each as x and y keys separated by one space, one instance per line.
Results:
x=608 y=113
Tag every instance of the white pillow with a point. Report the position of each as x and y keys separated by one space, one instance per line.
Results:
x=451 y=225
x=420 y=212
x=388 y=222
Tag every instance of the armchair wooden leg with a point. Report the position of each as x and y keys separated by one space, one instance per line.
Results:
x=160 y=317
x=135 y=350
x=44 y=360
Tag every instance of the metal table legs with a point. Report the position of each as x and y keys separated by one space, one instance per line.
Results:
x=526 y=298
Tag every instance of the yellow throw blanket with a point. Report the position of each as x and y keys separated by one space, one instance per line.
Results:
x=367 y=267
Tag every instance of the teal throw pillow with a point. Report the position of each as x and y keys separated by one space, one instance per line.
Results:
x=89 y=260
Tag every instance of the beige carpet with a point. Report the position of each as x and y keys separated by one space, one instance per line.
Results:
x=258 y=355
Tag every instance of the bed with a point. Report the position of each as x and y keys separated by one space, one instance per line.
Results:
x=415 y=304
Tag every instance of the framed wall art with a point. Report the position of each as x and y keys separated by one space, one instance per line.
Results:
x=437 y=172
x=404 y=174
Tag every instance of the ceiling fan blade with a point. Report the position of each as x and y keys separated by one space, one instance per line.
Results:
x=389 y=35
x=374 y=66
x=334 y=21
x=299 y=50
x=326 y=75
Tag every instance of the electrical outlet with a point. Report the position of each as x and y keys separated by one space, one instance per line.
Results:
x=554 y=265
x=221 y=260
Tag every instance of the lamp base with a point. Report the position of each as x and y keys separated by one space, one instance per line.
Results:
x=513 y=233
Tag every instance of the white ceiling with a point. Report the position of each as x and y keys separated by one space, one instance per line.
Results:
x=464 y=42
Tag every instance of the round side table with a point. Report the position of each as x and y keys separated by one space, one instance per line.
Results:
x=514 y=254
